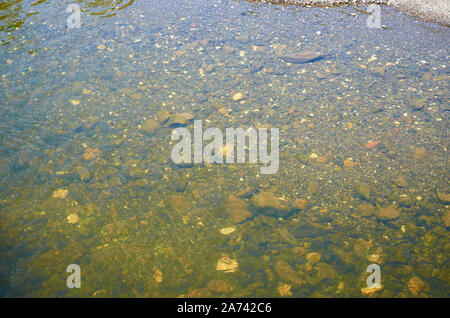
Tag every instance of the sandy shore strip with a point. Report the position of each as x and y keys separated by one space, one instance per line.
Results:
x=430 y=10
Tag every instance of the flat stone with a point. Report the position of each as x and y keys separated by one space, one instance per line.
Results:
x=401 y=182
x=219 y=286
x=150 y=126
x=363 y=189
x=302 y=57
x=180 y=119
x=300 y=204
x=227 y=265
x=378 y=70
x=267 y=203
x=312 y=188
x=420 y=153
x=367 y=291
x=366 y=209
x=236 y=209
x=162 y=116
x=388 y=213
x=227 y=230
x=288 y=274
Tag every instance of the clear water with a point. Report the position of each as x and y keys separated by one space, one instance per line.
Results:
x=73 y=106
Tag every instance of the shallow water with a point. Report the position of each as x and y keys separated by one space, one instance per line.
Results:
x=373 y=112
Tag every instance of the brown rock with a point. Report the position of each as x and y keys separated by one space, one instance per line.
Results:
x=444 y=197
x=388 y=213
x=301 y=204
x=367 y=291
x=415 y=285
x=179 y=203
x=91 y=153
x=288 y=274
x=219 y=286
x=158 y=276
x=268 y=203
x=401 y=182
x=284 y=290
x=199 y=293
x=349 y=163
x=302 y=57
x=313 y=186
x=60 y=194
x=180 y=119
x=150 y=126
x=366 y=209
x=72 y=218
x=313 y=257
x=237 y=209
x=363 y=189
x=420 y=153
x=227 y=265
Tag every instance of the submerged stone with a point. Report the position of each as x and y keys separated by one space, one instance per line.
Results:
x=236 y=209
x=388 y=213
x=366 y=209
x=268 y=203
x=238 y=96
x=60 y=194
x=444 y=197
x=367 y=291
x=313 y=257
x=91 y=153
x=158 y=276
x=150 y=126
x=288 y=274
x=284 y=290
x=301 y=204
x=227 y=230
x=72 y=218
x=415 y=285
x=363 y=189
x=219 y=286
x=302 y=57
x=227 y=265
x=180 y=119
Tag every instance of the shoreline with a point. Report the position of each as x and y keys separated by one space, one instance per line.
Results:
x=437 y=11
